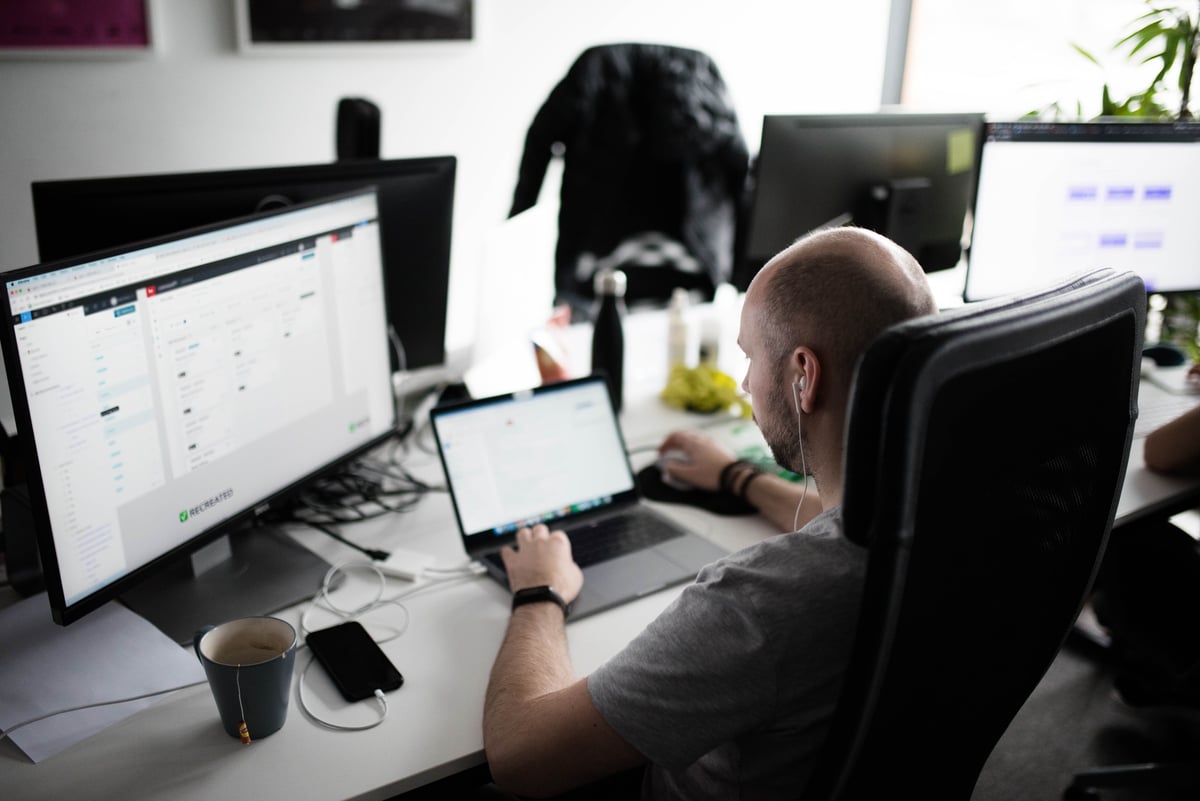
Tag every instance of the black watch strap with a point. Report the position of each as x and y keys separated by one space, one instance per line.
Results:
x=533 y=595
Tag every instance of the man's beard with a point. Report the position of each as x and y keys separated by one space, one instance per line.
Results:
x=779 y=428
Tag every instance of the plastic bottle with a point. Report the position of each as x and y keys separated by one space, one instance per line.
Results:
x=712 y=327
x=608 y=336
x=677 y=329
x=710 y=339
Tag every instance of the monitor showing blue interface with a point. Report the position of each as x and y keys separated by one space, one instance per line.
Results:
x=1059 y=198
x=168 y=389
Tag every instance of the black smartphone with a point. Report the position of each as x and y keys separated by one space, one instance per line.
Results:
x=355 y=662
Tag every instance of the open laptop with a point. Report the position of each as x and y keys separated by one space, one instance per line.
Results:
x=555 y=455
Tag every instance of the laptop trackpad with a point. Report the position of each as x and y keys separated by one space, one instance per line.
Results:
x=607 y=584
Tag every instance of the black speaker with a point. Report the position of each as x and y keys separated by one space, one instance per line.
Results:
x=357 y=129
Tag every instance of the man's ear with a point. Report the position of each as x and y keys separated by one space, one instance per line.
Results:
x=805 y=369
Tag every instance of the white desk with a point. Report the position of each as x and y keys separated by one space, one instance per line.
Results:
x=178 y=750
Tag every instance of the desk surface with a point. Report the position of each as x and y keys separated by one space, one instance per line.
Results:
x=177 y=749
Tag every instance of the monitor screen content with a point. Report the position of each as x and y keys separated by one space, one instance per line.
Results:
x=908 y=176
x=1056 y=199
x=168 y=390
x=416 y=204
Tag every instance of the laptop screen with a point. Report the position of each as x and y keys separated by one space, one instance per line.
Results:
x=534 y=456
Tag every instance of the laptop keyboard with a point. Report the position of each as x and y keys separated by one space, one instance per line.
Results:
x=611 y=536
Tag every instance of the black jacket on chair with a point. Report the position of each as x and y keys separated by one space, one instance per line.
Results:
x=650 y=143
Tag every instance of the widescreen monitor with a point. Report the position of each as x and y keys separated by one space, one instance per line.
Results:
x=909 y=176
x=416 y=204
x=1060 y=198
x=167 y=391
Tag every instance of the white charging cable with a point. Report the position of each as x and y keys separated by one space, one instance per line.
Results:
x=803 y=465
x=323 y=601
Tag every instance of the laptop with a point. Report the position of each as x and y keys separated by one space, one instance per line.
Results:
x=555 y=455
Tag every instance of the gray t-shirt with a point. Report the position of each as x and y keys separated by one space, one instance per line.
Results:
x=730 y=691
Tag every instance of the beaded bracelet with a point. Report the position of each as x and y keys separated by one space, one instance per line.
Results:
x=737 y=475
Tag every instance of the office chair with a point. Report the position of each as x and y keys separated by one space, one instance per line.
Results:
x=985 y=453
x=654 y=172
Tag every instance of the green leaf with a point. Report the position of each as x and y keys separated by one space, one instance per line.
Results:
x=1085 y=54
x=1143 y=37
x=1107 y=107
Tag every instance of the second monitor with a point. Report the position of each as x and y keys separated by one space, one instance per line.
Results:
x=908 y=176
x=416 y=204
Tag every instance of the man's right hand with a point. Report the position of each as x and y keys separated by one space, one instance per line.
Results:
x=705 y=459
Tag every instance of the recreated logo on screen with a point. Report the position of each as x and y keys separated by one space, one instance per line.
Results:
x=205 y=505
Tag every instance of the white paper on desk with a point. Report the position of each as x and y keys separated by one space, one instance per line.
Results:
x=1174 y=379
x=110 y=654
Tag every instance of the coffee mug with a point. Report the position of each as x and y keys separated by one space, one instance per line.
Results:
x=249 y=662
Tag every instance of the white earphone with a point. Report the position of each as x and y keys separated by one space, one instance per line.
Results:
x=797 y=388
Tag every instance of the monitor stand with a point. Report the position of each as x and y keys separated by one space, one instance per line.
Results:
x=265 y=571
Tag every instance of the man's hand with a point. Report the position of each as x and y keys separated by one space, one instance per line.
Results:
x=705 y=459
x=543 y=557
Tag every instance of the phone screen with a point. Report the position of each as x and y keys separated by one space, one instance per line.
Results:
x=354 y=661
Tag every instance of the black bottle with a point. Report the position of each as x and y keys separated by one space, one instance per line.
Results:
x=608 y=338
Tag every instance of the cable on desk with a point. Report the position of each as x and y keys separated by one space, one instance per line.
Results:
x=95 y=705
x=329 y=724
x=322 y=600
x=373 y=553
x=368 y=488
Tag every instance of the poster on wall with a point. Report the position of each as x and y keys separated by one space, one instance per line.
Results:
x=75 y=27
x=322 y=24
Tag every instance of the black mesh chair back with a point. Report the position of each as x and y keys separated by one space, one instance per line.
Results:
x=985 y=451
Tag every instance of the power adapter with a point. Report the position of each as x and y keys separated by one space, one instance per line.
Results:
x=403 y=564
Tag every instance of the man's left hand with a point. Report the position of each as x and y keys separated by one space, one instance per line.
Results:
x=543 y=557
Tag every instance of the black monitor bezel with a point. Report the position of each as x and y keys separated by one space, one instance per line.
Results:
x=416 y=224
x=62 y=613
x=755 y=254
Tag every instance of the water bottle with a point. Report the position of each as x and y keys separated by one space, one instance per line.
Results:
x=608 y=338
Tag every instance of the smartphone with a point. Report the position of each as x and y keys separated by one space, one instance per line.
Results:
x=355 y=662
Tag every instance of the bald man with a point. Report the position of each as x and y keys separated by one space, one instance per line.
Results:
x=729 y=692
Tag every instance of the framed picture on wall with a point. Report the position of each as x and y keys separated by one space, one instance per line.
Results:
x=76 y=28
x=333 y=25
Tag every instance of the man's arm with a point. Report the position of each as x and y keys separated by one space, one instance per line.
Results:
x=1175 y=446
x=541 y=732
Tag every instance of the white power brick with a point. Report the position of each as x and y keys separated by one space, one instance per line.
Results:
x=402 y=564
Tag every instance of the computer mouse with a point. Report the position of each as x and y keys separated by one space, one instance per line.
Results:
x=673 y=455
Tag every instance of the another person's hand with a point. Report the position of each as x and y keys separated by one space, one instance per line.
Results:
x=705 y=459
x=543 y=557
x=1174 y=447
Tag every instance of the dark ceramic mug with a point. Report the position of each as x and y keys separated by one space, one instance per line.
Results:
x=249 y=664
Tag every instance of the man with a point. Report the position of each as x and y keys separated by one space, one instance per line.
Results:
x=730 y=691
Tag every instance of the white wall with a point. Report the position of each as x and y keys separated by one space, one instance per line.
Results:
x=199 y=104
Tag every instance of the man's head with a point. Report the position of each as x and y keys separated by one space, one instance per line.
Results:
x=808 y=316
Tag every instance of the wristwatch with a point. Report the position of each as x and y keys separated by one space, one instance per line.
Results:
x=533 y=595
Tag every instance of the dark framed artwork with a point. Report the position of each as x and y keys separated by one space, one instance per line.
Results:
x=319 y=24
x=76 y=28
